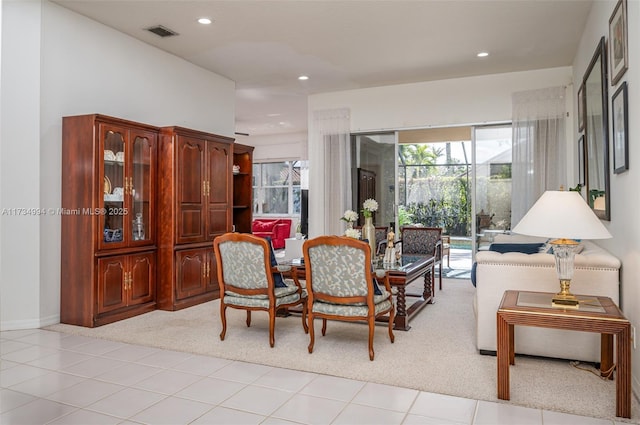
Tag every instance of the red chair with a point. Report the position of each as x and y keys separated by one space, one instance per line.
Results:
x=278 y=229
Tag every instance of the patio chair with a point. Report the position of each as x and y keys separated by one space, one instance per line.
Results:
x=446 y=248
x=249 y=282
x=341 y=285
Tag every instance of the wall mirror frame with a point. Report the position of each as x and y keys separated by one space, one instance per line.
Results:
x=596 y=132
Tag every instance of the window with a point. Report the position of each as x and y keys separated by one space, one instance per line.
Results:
x=276 y=187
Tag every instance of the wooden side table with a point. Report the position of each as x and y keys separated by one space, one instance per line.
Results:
x=595 y=314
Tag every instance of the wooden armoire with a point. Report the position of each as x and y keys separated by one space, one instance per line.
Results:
x=195 y=195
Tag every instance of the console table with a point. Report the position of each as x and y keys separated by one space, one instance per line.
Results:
x=595 y=314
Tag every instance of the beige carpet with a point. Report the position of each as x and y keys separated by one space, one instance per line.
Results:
x=438 y=354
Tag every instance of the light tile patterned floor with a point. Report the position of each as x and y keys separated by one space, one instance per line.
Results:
x=54 y=378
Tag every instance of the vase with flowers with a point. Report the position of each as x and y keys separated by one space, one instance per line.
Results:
x=349 y=217
x=369 y=230
x=352 y=233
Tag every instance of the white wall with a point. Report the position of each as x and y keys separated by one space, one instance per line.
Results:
x=20 y=162
x=625 y=202
x=473 y=100
x=57 y=63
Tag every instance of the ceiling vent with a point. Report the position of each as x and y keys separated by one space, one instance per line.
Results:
x=162 y=31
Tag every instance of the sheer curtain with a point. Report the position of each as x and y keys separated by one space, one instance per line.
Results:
x=332 y=132
x=539 y=161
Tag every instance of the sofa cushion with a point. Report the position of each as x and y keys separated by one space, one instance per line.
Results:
x=278 y=280
x=525 y=248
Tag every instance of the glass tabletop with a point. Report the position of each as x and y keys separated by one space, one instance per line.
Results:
x=402 y=264
x=543 y=300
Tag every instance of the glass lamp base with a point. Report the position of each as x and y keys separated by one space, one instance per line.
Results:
x=563 y=250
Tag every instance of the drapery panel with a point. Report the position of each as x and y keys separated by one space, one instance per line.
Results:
x=539 y=159
x=332 y=130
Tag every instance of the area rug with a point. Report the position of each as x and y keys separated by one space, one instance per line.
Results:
x=437 y=354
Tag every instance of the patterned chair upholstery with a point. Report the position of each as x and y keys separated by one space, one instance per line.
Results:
x=425 y=241
x=247 y=282
x=341 y=285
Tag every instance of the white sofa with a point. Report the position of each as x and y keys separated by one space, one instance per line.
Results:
x=596 y=273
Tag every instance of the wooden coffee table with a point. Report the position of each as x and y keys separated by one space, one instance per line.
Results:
x=400 y=274
x=595 y=314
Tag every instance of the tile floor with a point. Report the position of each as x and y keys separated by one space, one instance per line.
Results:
x=54 y=378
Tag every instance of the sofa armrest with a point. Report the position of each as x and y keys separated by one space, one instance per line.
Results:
x=281 y=231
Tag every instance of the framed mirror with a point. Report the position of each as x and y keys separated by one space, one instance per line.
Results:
x=596 y=132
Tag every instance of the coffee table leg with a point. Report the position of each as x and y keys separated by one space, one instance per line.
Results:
x=623 y=374
x=401 y=321
x=429 y=292
x=503 y=354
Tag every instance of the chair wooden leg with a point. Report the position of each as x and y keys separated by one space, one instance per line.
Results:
x=392 y=317
x=223 y=318
x=272 y=327
x=311 y=336
x=440 y=275
x=324 y=327
x=248 y=318
x=372 y=324
x=304 y=318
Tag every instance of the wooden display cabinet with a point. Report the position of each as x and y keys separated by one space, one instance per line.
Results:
x=195 y=199
x=108 y=219
x=243 y=188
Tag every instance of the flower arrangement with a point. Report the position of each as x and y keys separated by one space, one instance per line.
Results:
x=349 y=216
x=353 y=233
x=369 y=207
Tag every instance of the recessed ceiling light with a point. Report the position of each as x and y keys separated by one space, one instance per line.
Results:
x=303 y=77
x=204 y=21
x=483 y=54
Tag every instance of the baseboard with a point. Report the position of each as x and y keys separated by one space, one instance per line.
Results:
x=14 y=325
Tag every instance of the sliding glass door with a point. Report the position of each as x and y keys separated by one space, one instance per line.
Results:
x=492 y=183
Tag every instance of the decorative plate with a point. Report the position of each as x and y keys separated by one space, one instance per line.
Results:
x=107 y=185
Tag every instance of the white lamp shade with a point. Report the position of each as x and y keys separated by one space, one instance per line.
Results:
x=562 y=214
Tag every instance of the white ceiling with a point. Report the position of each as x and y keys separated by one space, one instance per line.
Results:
x=265 y=45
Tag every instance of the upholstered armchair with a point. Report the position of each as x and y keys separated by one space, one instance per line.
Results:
x=342 y=287
x=248 y=281
x=424 y=241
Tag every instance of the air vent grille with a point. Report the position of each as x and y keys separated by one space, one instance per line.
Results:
x=162 y=31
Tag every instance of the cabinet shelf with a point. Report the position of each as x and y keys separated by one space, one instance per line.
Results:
x=242 y=188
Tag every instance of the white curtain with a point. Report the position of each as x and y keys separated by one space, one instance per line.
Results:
x=539 y=161
x=332 y=132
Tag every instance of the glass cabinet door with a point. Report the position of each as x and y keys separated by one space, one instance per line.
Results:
x=140 y=188
x=112 y=209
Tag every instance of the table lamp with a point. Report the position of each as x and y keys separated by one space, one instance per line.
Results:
x=564 y=215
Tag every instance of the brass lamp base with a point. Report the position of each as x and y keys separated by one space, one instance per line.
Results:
x=564 y=298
